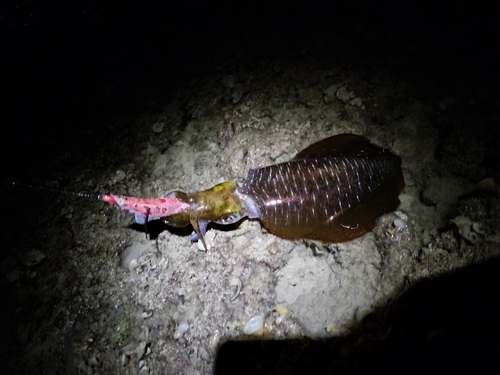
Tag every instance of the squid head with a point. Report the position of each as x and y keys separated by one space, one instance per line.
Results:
x=219 y=204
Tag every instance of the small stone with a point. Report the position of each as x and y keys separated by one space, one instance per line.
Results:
x=330 y=91
x=468 y=229
x=181 y=330
x=255 y=326
x=32 y=258
x=332 y=330
x=141 y=349
x=342 y=94
x=144 y=369
x=124 y=359
x=358 y=102
x=158 y=127
x=119 y=176
x=282 y=310
x=236 y=94
x=209 y=240
x=399 y=224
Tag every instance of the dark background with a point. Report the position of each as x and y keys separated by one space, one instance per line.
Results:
x=65 y=67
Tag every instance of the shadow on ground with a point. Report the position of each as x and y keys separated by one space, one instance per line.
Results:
x=446 y=325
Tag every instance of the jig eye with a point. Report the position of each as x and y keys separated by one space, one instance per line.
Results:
x=231 y=219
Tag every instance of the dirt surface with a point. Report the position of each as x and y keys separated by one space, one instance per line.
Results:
x=106 y=300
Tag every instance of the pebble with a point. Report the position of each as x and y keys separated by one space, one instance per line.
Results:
x=158 y=127
x=254 y=326
x=330 y=91
x=332 y=330
x=32 y=258
x=342 y=94
x=282 y=310
x=181 y=330
x=399 y=224
x=358 y=102
x=124 y=359
x=119 y=175
x=468 y=229
x=236 y=94
x=141 y=349
x=209 y=240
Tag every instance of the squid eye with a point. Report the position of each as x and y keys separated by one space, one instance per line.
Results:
x=233 y=218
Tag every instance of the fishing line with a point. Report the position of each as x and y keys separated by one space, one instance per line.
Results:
x=60 y=191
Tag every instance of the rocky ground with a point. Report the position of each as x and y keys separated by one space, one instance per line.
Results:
x=87 y=293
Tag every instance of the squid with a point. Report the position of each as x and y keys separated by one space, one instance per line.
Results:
x=332 y=191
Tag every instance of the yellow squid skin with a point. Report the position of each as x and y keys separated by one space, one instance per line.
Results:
x=332 y=191
x=219 y=204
